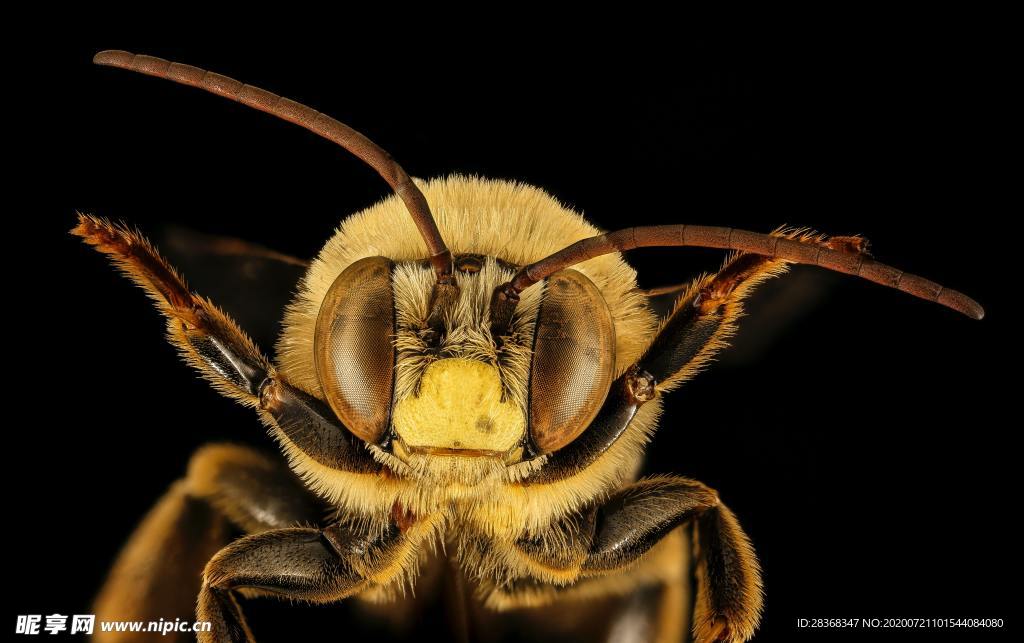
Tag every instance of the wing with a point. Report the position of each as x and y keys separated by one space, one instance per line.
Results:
x=253 y=284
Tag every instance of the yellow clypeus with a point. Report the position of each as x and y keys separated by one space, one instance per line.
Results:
x=459 y=406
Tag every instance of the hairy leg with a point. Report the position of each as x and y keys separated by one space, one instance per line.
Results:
x=314 y=565
x=703 y=318
x=619 y=547
x=214 y=345
x=158 y=572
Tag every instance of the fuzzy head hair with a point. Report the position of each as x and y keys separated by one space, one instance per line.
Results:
x=506 y=225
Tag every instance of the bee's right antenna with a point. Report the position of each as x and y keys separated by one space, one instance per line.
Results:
x=327 y=127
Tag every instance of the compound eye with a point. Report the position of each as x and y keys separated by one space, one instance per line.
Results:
x=573 y=360
x=354 y=354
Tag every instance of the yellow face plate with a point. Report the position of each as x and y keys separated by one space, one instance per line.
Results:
x=459 y=406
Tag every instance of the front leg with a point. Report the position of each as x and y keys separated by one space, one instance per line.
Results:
x=157 y=573
x=702 y=321
x=729 y=597
x=211 y=343
x=614 y=537
x=315 y=565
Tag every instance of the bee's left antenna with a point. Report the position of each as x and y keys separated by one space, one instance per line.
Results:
x=777 y=246
x=316 y=122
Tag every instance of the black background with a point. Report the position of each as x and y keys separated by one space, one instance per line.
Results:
x=861 y=436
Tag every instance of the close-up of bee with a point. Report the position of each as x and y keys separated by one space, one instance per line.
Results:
x=461 y=395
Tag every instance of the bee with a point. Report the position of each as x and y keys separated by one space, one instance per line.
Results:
x=463 y=389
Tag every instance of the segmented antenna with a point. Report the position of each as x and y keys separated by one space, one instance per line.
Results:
x=327 y=127
x=851 y=263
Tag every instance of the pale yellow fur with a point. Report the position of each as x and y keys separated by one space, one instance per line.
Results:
x=468 y=333
x=513 y=222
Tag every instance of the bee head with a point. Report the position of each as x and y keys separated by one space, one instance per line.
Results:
x=423 y=380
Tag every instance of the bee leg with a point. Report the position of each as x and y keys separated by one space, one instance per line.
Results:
x=729 y=597
x=157 y=573
x=214 y=345
x=315 y=565
x=612 y=544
